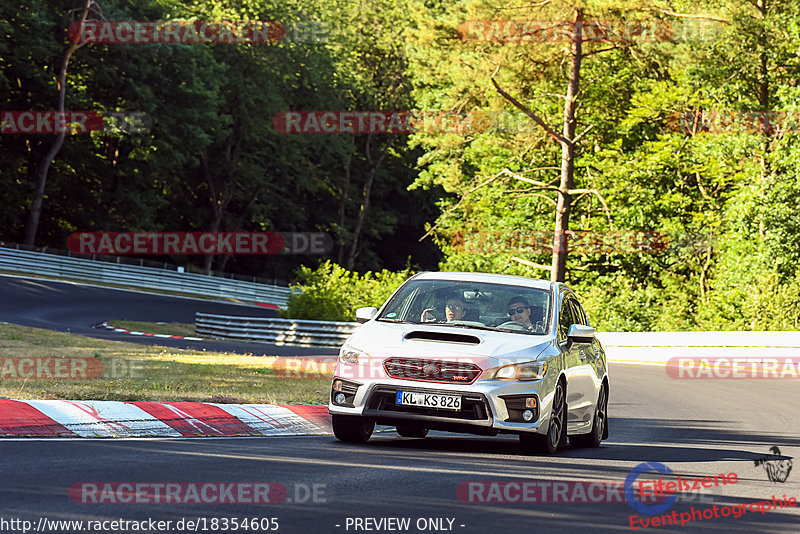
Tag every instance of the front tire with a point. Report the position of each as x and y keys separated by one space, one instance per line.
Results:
x=599 y=425
x=410 y=431
x=556 y=431
x=352 y=428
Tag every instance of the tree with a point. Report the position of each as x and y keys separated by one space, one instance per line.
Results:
x=89 y=6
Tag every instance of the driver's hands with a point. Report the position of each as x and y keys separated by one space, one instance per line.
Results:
x=428 y=318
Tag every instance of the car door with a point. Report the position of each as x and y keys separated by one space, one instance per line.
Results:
x=581 y=390
x=594 y=358
x=572 y=367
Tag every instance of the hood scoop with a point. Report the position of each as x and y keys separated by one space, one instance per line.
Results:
x=443 y=337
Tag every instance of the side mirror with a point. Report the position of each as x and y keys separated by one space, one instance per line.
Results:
x=580 y=333
x=367 y=313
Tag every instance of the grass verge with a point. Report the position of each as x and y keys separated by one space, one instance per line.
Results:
x=67 y=366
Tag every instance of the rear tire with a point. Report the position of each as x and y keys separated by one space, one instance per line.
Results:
x=352 y=428
x=599 y=425
x=411 y=431
x=556 y=431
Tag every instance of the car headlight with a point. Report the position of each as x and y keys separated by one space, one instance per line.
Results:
x=523 y=371
x=351 y=356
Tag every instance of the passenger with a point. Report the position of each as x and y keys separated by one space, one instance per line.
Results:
x=520 y=311
x=455 y=309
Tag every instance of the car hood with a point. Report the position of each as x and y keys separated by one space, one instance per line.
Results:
x=487 y=349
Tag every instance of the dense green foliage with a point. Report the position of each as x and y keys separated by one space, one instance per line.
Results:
x=212 y=159
x=739 y=184
x=331 y=293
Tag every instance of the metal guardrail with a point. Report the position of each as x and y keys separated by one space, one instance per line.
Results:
x=139 y=277
x=277 y=331
x=620 y=347
x=659 y=347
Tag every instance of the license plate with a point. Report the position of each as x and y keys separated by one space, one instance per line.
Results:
x=428 y=400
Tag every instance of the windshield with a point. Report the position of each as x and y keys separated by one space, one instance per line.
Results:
x=453 y=303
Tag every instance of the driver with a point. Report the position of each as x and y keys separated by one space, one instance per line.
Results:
x=520 y=311
x=455 y=309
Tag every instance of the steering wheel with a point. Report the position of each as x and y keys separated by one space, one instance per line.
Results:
x=513 y=325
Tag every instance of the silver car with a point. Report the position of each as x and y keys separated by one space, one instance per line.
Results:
x=476 y=353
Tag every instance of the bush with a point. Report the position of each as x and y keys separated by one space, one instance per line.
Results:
x=332 y=293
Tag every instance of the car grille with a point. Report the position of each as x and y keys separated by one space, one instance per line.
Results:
x=473 y=405
x=450 y=372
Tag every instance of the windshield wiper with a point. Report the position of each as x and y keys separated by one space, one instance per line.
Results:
x=489 y=328
x=477 y=327
x=396 y=321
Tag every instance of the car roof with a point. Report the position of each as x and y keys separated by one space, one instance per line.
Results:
x=490 y=278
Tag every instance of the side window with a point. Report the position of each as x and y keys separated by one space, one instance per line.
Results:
x=580 y=316
x=565 y=319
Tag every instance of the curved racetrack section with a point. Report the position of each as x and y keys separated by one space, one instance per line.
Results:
x=76 y=308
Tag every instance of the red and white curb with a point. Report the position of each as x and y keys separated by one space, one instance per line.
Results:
x=165 y=336
x=108 y=419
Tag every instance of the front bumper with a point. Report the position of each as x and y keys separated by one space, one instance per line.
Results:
x=488 y=407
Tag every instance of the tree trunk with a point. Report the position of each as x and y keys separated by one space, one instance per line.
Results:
x=225 y=257
x=559 y=265
x=43 y=167
x=218 y=203
x=351 y=256
x=343 y=198
x=365 y=197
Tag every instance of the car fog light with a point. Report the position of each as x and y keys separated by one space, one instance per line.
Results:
x=340 y=398
x=337 y=385
x=527 y=415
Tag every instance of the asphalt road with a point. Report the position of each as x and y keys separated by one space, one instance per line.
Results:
x=75 y=308
x=696 y=428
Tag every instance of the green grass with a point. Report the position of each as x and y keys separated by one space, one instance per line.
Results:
x=139 y=372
